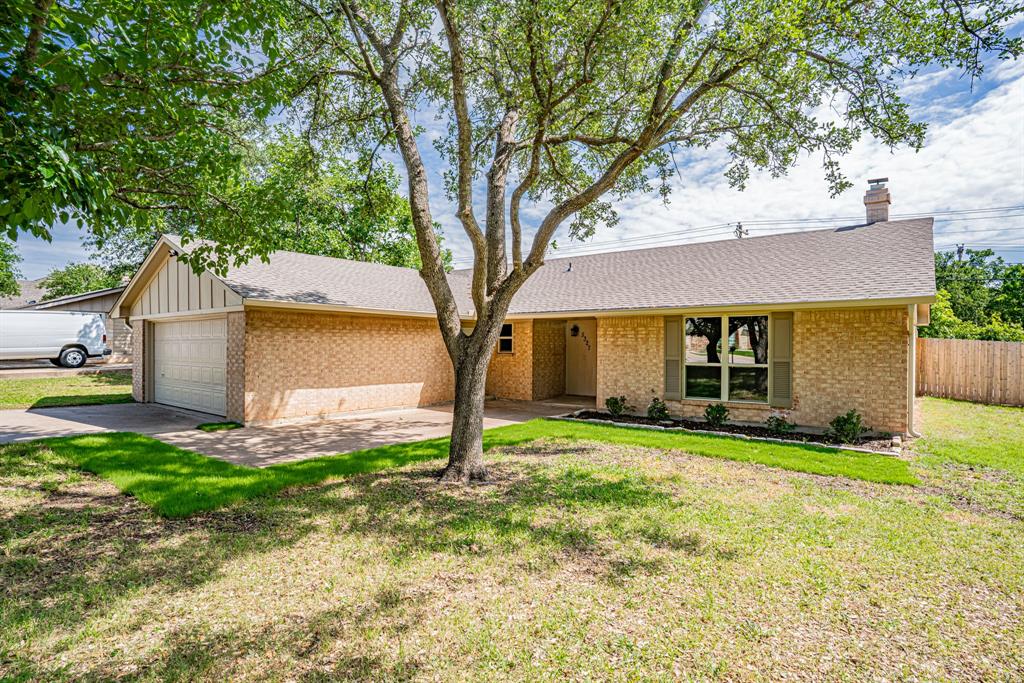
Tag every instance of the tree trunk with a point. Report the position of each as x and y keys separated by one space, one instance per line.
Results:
x=466 y=451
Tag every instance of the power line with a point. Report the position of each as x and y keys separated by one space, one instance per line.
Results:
x=774 y=225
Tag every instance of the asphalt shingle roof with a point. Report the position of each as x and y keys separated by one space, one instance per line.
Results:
x=887 y=260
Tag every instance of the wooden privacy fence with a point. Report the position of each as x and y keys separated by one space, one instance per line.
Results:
x=982 y=371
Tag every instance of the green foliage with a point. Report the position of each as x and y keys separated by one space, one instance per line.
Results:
x=78 y=278
x=778 y=424
x=330 y=205
x=309 y=201
x=716 y=415
x=1008 y=300
x=656 y=409
x=979 y=297
x=117 y=112
x=178 y=483
x=945 y=324
x=846 y=428
x=9 y=273
x=617 y=405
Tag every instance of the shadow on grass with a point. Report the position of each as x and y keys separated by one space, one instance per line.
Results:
x=177 y=482
x=80 y=552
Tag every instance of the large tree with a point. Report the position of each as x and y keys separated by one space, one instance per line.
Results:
x=116 y=112
x=78 y=278
x=9 y=273
x=304 y=199
x=554 y=106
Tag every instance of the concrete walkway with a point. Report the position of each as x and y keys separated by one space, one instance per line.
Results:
x=262 y=446
x=269 y=445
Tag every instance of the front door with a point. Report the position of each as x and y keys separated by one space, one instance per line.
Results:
x=581 y=357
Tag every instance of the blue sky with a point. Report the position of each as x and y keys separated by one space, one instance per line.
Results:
x=973 y=159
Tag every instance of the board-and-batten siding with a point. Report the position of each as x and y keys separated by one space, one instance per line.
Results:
x=176 y=289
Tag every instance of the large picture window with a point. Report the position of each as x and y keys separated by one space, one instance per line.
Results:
x=726 y=358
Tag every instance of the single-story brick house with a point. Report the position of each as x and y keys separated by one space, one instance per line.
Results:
x=814 y=323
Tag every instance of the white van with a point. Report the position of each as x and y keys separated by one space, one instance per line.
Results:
x=62 y=337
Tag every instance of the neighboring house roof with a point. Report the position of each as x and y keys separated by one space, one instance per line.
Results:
x=31 y=292
x=77 y=298
x=883 y=261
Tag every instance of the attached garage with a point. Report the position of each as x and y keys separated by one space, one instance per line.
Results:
x=190 y=364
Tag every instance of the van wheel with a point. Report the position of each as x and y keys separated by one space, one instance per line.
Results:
x=72 y=358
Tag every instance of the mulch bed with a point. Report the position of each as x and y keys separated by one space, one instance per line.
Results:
x=874 y=443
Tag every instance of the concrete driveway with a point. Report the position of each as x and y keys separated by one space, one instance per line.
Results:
x=144 y=418
x=269 y=445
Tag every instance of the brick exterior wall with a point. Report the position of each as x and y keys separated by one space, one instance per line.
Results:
x=139 y=361
x=548 y=359
x=316 y=364
x=851 y=359
x=630 y=358
x=842 y=359
x=119 y=339
x=235 y=370
x=510 y=375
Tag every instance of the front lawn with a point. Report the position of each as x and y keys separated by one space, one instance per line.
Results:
x=609 y=558
x=68 y=390
x=177 y=482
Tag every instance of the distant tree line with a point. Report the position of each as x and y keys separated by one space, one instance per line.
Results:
x=980 y=296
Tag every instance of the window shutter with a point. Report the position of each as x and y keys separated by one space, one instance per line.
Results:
x=780 y=346
x=673 y=350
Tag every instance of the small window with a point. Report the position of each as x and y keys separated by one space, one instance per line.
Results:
x=748 y=358
x=505 y=340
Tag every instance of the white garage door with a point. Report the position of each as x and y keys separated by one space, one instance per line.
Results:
x=189 y=362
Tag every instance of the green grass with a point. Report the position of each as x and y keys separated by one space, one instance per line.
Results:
x=595 y=559
x=974 y=434
x=218 y=426
x=975 y=449
x=177 y=482
x=68 y=390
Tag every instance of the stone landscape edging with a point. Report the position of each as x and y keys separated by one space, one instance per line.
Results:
x=571 y=417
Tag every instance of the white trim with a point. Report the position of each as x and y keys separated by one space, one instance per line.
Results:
x=171 y=247
x=911 y=368
x=746 y=309
x=352 y=310
x=190 y=315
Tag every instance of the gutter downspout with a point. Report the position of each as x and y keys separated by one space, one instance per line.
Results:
x=911 y=369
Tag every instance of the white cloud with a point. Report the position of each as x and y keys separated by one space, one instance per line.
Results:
x=973 y=158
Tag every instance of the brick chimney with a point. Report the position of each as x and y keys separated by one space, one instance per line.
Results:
x=877 y=200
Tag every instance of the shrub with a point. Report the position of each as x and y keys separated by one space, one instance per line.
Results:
x=656 y=409
x=617 y=405
x=716 y=414
x=846 y=428
x=778 y=424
